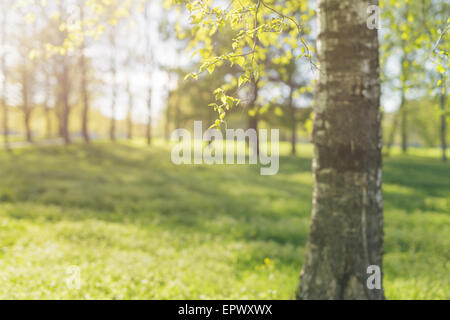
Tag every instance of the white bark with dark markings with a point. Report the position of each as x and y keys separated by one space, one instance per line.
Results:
x=347 y=222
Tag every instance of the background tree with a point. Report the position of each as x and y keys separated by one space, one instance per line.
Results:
x=4 y=98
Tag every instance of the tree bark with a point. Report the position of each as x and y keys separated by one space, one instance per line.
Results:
x=347 y=223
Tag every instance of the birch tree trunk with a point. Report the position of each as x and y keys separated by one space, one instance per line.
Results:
x=347 y=223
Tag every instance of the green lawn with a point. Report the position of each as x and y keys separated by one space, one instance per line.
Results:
x=140 y=227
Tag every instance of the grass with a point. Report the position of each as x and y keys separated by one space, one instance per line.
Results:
x=139 y=227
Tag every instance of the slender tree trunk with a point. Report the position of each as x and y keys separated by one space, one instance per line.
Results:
x=168 y=114
x=443 y=119
x=347 y=223
x=25 y=102
x=66 y=106
x=85 y=94
x=112 y=129
x=404 y=128
x=253 y=120
x=253 y=124
x=391 y=137
x=5 y=83
x=403 y=112
x=130 y=112
x=84 y=87
x=177 y=112
x=149 y=119
x=48 y=123
x=64 y=83
x=293 y=122
x=28 y=128
x=65 y=120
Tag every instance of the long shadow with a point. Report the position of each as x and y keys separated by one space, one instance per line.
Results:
x=135 y=185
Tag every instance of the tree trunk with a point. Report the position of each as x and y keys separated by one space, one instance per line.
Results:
x=404 y=128
x=4 y=84
x=168 y=115
x=65 y=120
x=84 y=87
x=130 y=112
x=149 y=120
x=48 y=124
x=64 y=83
x=253 y=120
x=346 y=230
x=65 y=105
x=293 y=122
x=5 y=80
x=391 y=137
x=27 y=118
x=443 y=119
x=25 y=102
x=85 y=115
x=112 y=128
x=402 y=110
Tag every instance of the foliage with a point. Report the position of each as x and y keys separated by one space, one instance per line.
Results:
x=258 y=26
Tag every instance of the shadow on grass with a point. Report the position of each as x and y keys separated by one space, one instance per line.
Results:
x=124 y=184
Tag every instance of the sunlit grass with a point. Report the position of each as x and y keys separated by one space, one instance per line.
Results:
x=140 y=227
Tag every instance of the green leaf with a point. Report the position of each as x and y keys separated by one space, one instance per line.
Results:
x=242 y=79
x=211 y=68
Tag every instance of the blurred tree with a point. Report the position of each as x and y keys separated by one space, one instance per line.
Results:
x=418 y=30
x=401 y=43
x=84 y=77
x=435 y=21
x=288 y=74
x=63 y=63
x=114 y=87
x=4 y=98
x=130 y=109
